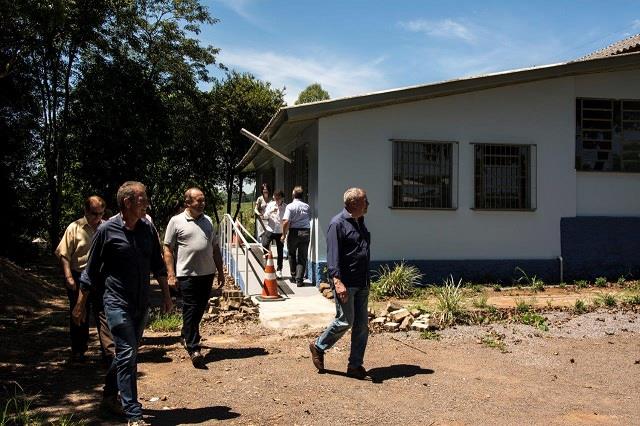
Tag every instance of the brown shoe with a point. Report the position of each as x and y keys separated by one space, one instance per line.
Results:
x=357 y=372
x=316 y=356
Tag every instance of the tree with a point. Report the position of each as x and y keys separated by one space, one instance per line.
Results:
x=313 y=93
x=240 y=100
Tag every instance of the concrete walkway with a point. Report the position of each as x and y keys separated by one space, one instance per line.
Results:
x=301 y=307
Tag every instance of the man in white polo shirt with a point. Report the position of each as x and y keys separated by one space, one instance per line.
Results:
x=192 y=237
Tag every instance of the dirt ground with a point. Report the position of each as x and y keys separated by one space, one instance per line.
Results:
x=584 y=370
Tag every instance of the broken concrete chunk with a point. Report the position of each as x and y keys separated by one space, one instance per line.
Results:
x=399 y=315
x=391 y=326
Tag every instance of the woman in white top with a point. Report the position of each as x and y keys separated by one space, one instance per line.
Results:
x=261 y=204
x=273 y=213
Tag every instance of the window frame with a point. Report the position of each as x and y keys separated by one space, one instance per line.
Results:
x=617 y=139
x=453 y=172
x=532 y=173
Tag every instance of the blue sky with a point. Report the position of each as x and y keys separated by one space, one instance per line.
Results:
x=356 y=47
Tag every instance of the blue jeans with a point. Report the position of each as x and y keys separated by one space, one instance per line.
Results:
x=352 y=314
x=126 y=329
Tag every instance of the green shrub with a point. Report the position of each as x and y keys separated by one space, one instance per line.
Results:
x=497 y=287
x=449 y=302
x=170 y=321
x=621 y=280
x=562 y=285
x=601 y=282
x=480 y=302
x=606 y=299
x=633 y=299
x=430 y=335
x=580 y=307
x=582 y=283
x=535 y=320
x=522 y=306
x=399 y=282
x=532 y=281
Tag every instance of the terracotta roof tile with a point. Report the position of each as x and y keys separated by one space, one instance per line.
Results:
x=628 y=45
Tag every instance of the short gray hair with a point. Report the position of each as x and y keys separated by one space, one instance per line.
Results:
x=187 y=194
x=127 y=191
x=353 y=194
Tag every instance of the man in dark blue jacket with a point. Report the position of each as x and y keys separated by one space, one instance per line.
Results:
x=124 y=251
x=348 y=257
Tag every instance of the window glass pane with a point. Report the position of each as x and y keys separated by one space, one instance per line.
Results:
x=502 y=178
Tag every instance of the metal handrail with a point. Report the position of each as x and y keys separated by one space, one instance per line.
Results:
x=229 y=227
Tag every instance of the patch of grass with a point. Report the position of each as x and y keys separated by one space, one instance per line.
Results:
x=580 y=307
x=68 y=421
x=562 y=286
x=601 y=282
x=158 y=321
x=480 y=302
x=605 y=299
x=400 y=281
x=497 y=287
x=17 y=412
x=633 y=299
x=429 y=335
x=493 y=341
x=621 y=280
x=475 y=288
x=532 y=281
x=581 y=283
x=449 y=302
x=535 y=320
x=522 y=306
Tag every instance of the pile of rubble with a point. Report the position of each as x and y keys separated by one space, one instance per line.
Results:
x=231 y=304
x=397 y=318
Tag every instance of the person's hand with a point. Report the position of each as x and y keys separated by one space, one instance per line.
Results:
x=282 y=238
x=220 y=279
x=171 y=280
x=167 y=304
x=79 y=313
x=341 y=291
x=71 y=283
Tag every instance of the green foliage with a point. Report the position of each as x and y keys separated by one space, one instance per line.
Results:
x=494 y=341
x=634 y=299
x=581 y=284
x=400 y=281
x=429 y=335
x=162 y=322
x=601 y=282
x=449 y=302
x=497 y=287
x=535 y=320
x=605 y=299
x=480 y=302
x=532 y=281
x=313 y=93
x=562 y=285
x=580 y=307
x=621 y=280
x=523 y=307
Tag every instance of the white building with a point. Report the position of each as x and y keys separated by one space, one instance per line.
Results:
x=537 y=168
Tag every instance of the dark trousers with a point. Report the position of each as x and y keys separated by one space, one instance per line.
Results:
x=195 y=298
x=297 y=245
x=80 y=333
x=267 y=237
x=126 y=329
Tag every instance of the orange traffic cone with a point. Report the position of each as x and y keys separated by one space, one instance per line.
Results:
x=270 y=286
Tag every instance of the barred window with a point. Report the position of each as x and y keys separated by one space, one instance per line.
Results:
x=607 y=135
x=504 y=177
x=423 y=174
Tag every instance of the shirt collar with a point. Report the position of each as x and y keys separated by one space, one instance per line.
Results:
x=346 y=215
x=189 y=217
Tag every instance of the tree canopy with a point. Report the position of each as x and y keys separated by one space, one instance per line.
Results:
x=313 y=93
x=96 y=92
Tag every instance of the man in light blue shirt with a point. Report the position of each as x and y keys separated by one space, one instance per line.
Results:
x=296 y=229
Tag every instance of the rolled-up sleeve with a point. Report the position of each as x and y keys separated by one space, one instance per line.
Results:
x=91 y=275
x=333 y=251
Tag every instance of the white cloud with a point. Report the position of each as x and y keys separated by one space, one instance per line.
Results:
x=243 y=9
x=446 y=28
x=635 y=24
x=340 y=77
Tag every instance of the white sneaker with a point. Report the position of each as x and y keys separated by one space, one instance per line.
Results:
x=279 y=274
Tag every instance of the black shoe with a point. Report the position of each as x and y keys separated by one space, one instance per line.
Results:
x=357 y=372
x=316 y=356
x=300 y=284
x=197 y=359
x=111 y=406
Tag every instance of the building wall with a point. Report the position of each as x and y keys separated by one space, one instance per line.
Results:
x=603 y=193
x=355 y=150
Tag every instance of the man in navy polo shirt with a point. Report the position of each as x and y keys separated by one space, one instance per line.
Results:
x=348 y=257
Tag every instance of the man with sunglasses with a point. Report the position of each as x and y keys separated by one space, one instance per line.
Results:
x=73 y=252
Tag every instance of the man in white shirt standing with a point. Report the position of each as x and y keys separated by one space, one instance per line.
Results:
x=192 y=237
x=296 y=224
x=273 y=214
